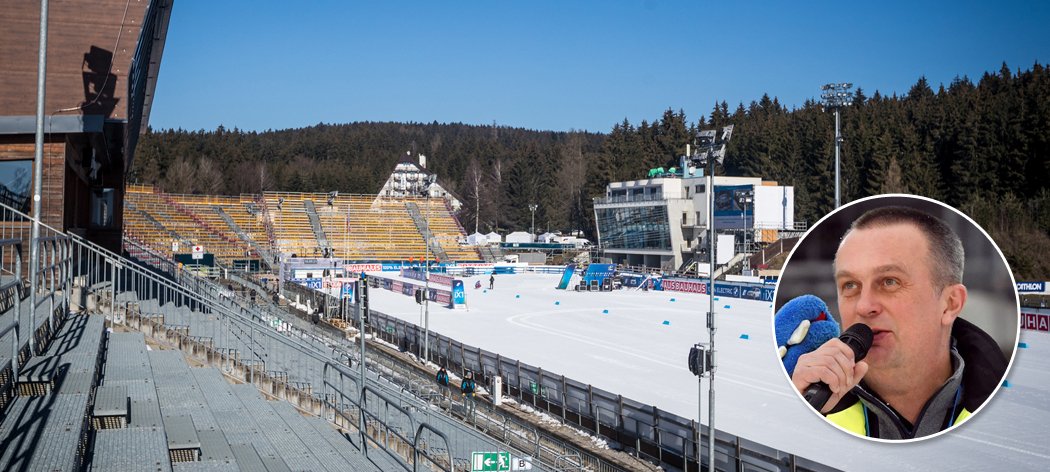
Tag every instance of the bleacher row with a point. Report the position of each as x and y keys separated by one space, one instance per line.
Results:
x=282 y=359
x=82 y=400
x=194 y=419
x=44 y=427
x=357 y=227
x=157 y=220
x=150 y=411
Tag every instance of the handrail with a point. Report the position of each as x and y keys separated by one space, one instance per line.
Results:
x=17 y=318
x=415 y=447
x=364 y=411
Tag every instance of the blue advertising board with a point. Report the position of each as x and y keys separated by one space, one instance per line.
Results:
x=459 y=295
x=729 y=211
x=1031 y=287
x=566 y=277
x=598 y=272
x=314 y=283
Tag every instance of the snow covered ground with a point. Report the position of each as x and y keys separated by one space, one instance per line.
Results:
x=630 y=351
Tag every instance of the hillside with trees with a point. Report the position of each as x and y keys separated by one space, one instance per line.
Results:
x=983 y=147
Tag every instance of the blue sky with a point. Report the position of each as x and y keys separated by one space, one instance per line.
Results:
x=561 y=65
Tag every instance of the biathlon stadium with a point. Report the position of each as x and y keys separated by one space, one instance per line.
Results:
x=145 y=330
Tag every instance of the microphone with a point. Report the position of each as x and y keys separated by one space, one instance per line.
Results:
x=858 y=337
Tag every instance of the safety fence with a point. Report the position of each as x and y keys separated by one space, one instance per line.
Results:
x=663 y=438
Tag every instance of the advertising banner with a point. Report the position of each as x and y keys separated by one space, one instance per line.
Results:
x=598 y=272
x=730 y=213
x=1031 y=287
x=682 y=285
x=1035 y=321
x=414 y=274
x=336 y=282
x=459 y=295
x=566 y=276
x=631 y=281
x=441 y=280
x=314 y=283
x=358 y=268
x=723 y=290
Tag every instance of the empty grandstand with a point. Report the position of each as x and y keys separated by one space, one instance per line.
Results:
x=239 y=230
x=189 y=377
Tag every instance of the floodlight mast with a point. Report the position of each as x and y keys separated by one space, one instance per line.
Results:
x=709 y=148
x=834 y=97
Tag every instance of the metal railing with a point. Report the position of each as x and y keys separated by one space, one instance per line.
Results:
x=286 y=364
x=647 y=432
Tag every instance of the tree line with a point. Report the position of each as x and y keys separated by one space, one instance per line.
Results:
x=983 y=147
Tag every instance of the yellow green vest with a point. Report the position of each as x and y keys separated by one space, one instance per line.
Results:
x=853 y=419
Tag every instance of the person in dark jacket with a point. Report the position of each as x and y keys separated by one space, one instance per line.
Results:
x=468 y=389
x=442 y=381
x=899 y=271
x=492 y=281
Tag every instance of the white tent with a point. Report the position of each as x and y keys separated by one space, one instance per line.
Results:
x=494 y=237
x=519 y=237
x=547 y=238
x=477 y=239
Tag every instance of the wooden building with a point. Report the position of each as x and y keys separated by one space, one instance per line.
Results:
x=103 y=58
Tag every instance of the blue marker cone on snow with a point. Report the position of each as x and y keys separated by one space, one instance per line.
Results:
x=672 y=299
x=745 y=336
x=727 y=307
x=517 y=296
x=1006 y=383
x=485 y=291
x=1022 y=345
x=716 y=299
x=605 y=312
x=557 y=303
x=667 y=323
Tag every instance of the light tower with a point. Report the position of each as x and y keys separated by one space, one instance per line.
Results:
x=709 y=148
x=532 y=208
x=834 y=97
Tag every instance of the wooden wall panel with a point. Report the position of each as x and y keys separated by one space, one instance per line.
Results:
x=52 y=202
x=84 y=38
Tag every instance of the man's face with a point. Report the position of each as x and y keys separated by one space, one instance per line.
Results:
x=884 y=280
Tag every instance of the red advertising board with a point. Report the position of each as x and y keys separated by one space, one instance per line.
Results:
x=684 y=286
x=358 y=268
x=1035 y=321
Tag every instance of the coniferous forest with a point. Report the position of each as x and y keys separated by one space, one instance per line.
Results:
x=982 y=146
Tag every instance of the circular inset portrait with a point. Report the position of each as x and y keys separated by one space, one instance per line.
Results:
x=896 y=318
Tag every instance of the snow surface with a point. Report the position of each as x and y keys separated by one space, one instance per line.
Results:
x=630 y=351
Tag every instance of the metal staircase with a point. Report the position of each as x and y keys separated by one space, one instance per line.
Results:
x=315 y=223
x=421 y=225
x=267 y=258
x=158 y=225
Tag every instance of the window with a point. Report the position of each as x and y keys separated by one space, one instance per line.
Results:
x=15 y=180
x=635 y=228
x=102 y=208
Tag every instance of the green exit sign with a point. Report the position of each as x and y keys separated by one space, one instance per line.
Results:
x=490 y=462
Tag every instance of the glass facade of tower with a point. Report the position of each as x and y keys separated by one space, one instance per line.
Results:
x=637 y=227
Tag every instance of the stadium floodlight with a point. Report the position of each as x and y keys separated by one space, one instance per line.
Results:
x=425 y=191
x=834 y=97
x=532 y=208
x=710 y=147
